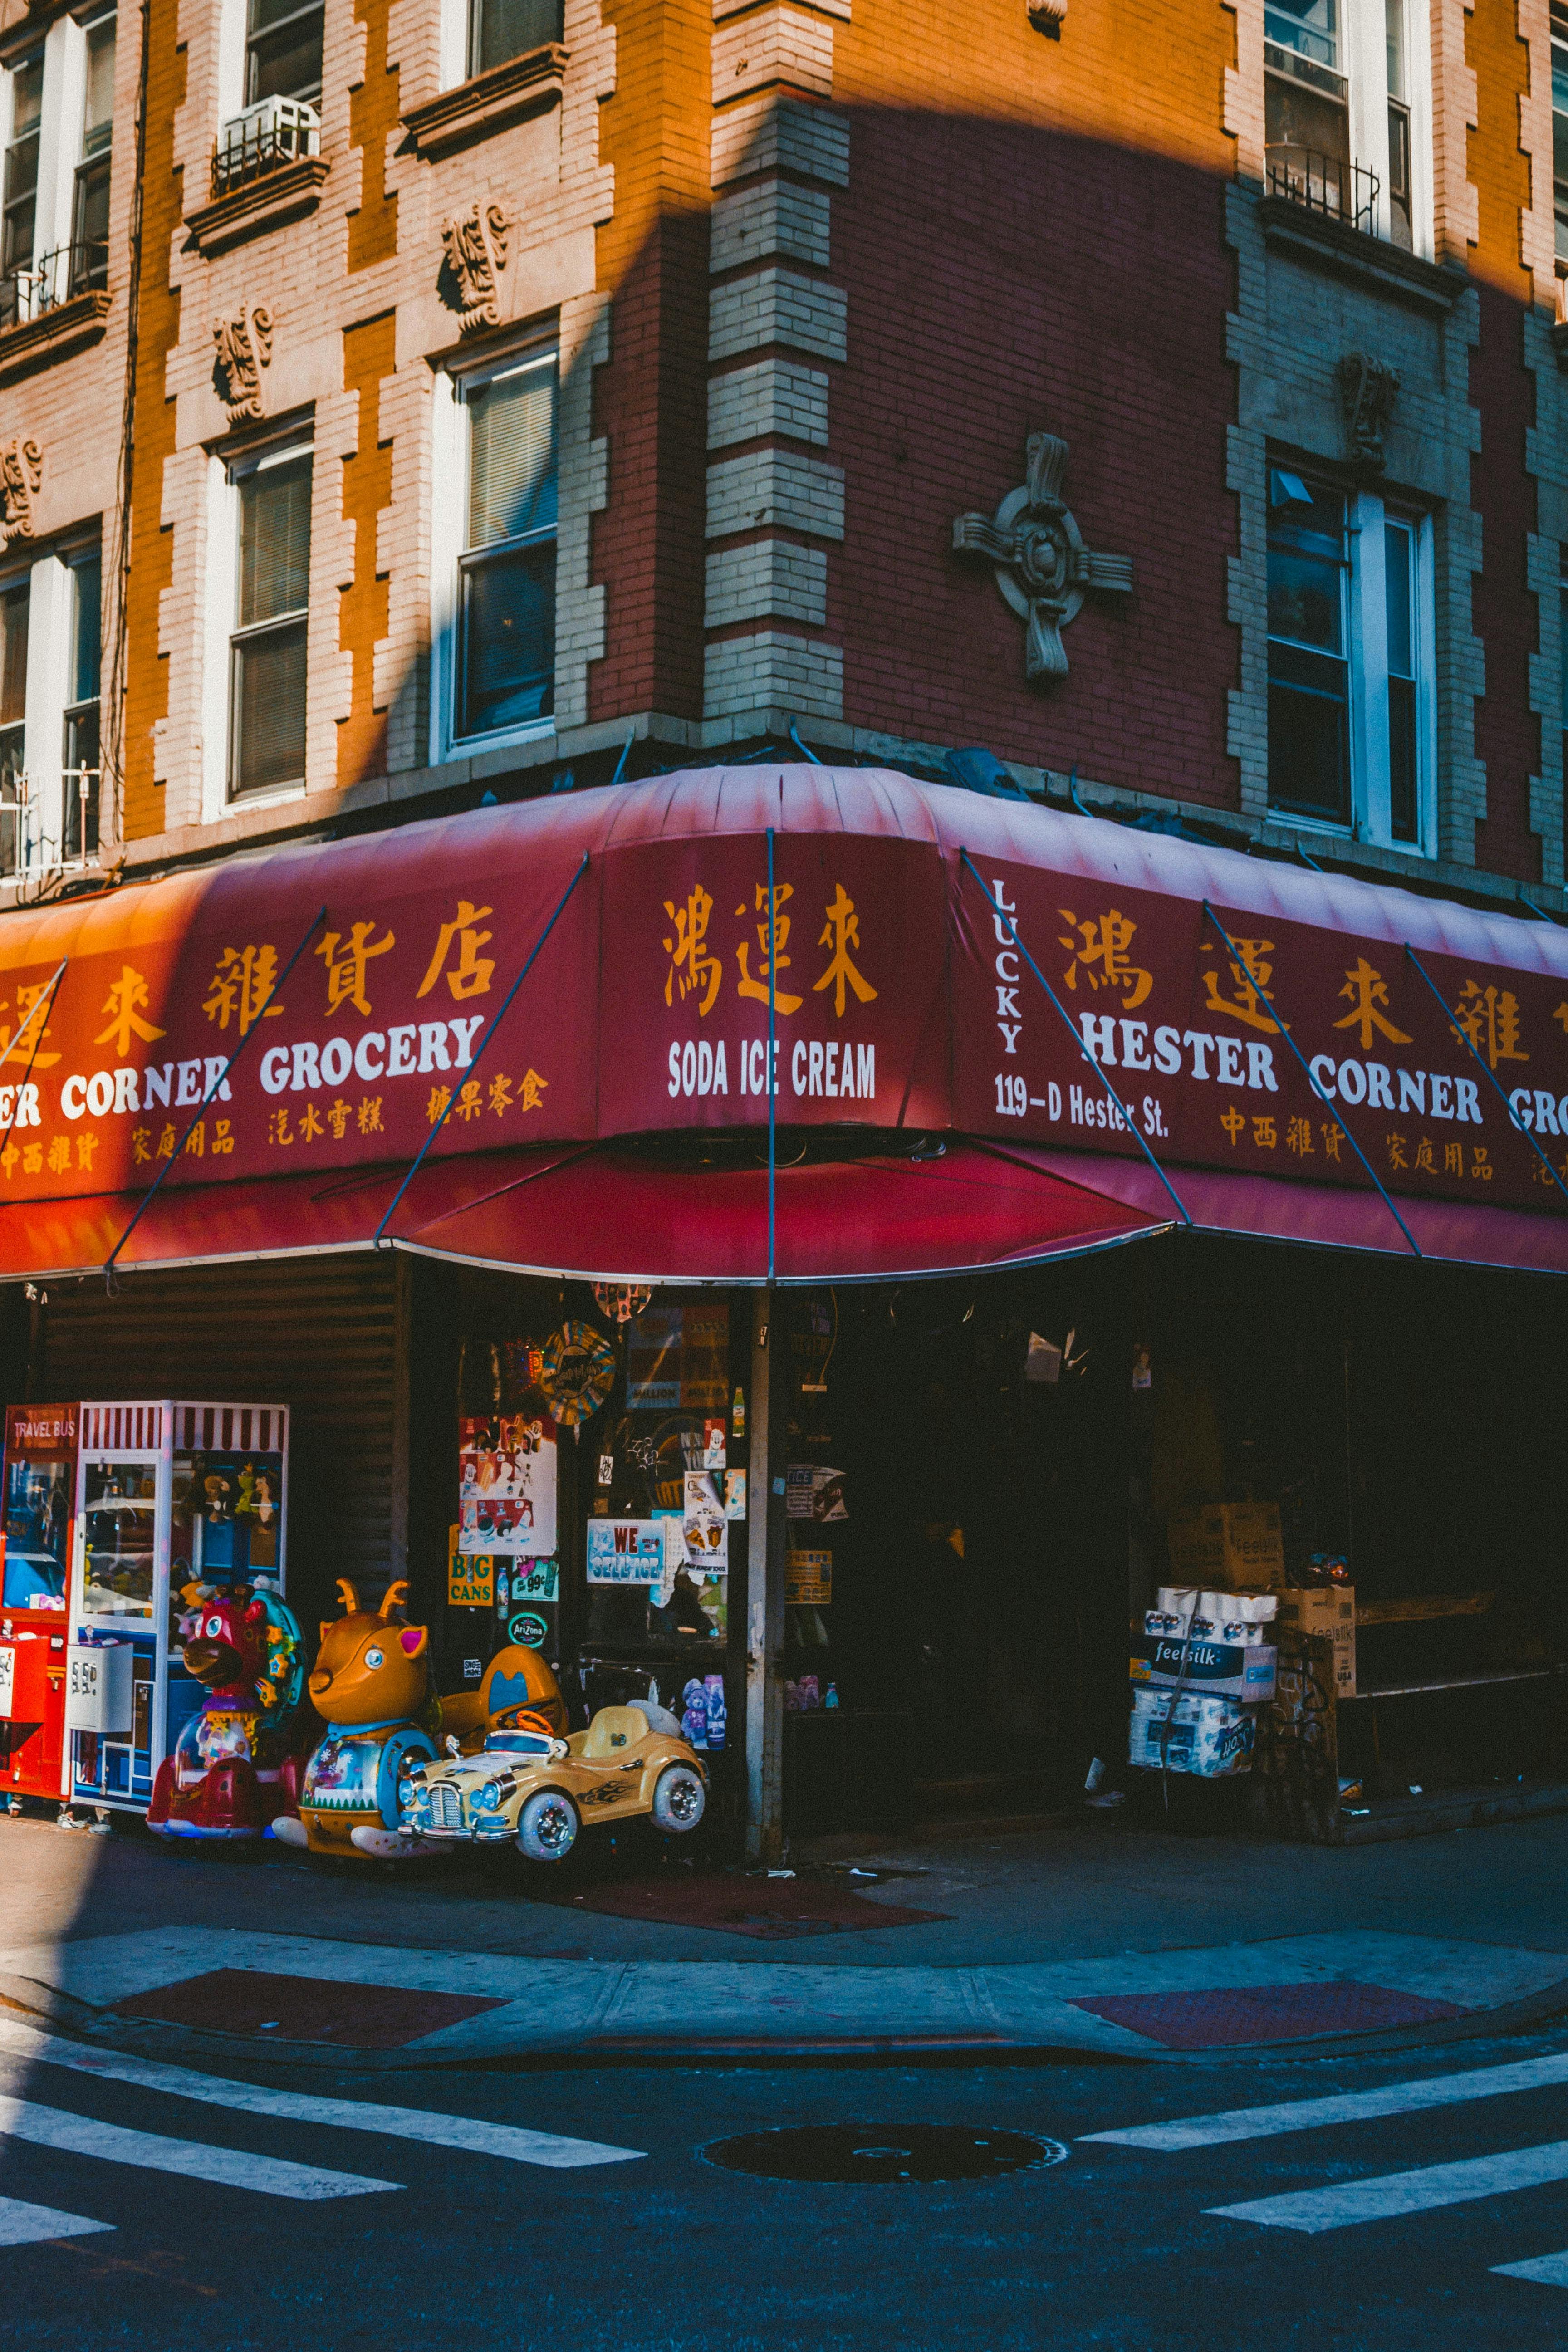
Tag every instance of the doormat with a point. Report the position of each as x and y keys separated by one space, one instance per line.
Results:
x=772 y=1909
x=303 y=2009
x=1218 y=2017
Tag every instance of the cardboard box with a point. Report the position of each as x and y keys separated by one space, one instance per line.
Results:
x=1213 y=1738
x=1241 y=1670
x=1228 y=1545
x=1326 y=1609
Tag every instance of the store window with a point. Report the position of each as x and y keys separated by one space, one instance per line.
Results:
x=80 y=760
x=21 y=173
x=506 y=587
x=267 y=649
x=500 y=29
x=283 y=51
x=1349 y=668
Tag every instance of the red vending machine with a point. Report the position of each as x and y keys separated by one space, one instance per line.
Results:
x=39 y=1500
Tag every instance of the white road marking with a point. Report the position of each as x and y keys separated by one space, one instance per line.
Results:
x=22 y=2224
x=1343 y=2108
x=1547 y=2270
x=230 y=2167
x=466 y=2132
x=1390 y=2194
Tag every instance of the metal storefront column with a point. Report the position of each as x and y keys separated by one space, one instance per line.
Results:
x=765 y=1533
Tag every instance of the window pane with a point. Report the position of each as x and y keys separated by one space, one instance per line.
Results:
x=1398 y=561
x=1394 y=26
x=508 y=640
x=510 y=28
x=1308 y=735
x=1310 y=27
x=97 y=114
x=14 y=655
x=81 y=808
x=89 y=228
x=27 y=97
x=1401 y=760
x=86 y=584
x=512 y=473
x=285 y=60
x=275 y=542
x=269 y=708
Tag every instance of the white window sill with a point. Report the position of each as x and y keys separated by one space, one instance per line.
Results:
x=276 y=796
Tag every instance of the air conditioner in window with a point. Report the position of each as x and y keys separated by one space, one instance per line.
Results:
x=265 y=137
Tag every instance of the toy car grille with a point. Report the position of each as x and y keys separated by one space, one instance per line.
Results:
x=446 y=1808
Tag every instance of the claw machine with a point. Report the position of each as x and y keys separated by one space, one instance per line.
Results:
x=169 y=1497
x=39 y=1497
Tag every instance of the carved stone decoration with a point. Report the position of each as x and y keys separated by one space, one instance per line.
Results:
x=1048 y=17
x=1043 y=568
x=474 y=248
x=21 y=475
x=1368 y=390
x=243 y=348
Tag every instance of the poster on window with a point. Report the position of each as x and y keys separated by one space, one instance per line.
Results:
x=506 y=1485
x=626 y=1551
x=705 y=1529
x=677 y=1359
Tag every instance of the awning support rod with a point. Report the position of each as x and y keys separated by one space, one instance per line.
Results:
x=42 y=1002
x=1513 y=1119
x=772 y=1071
x=209 y=1094
x=1002 y=916
x=419 y=1160
x=1254 y=981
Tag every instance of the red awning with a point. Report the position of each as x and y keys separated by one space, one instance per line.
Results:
x=603 y=1212
x=1330 y=1216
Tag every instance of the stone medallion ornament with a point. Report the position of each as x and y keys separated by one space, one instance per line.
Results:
x=1042 y=566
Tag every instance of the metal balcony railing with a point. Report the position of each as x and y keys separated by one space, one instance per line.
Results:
x=1325 y=183
x=56 y=278
x=24 y=847
x=268 y=136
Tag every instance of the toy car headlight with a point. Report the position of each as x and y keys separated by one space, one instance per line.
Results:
x=406 y=1793
x=494 y=1793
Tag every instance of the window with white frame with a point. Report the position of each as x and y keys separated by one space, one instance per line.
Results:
x=1350 y=661
x=283 y=49
x=89 y=201
x=267 y=646
x=79 y=769
x=21 y=171
x=504 y=670
x=1343 y=109
x=500 y=30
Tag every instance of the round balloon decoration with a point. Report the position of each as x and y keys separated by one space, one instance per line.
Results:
x=577 y=1373
x=621 y=1301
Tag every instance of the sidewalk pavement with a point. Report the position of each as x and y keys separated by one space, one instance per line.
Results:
x=1088 y=1936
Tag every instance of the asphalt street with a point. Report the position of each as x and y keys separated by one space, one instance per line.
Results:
x=1341 y=2201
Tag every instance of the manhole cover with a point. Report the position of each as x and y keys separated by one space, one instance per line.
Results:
x=876 y=2152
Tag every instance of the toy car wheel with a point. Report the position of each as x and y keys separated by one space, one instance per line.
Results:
x=547 y=1826
x=679 y=1799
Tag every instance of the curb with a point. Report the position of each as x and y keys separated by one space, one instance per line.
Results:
x=48 y=2010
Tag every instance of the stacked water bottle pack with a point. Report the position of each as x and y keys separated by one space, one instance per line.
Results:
x=1202 y=1675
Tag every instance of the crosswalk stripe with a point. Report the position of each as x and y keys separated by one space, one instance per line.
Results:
x=231 y=2167
x=22 y=2224
x=1390 y=2194
x=1547 y=2270
x=1342 y=2108
x=513 y=2141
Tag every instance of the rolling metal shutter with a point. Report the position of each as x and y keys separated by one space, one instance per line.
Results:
x=317 y=1335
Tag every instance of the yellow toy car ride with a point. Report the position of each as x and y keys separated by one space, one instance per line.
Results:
x=538 y=1789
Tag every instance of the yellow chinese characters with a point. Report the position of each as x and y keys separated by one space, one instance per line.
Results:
x=1489 y=1017
x=470 y=975
x=1100 y=953
x=346 y=959
x=27 y=1043
x=842 y=932
x=694 y=968
x=1250 y=976
x=245 y=979
x=773 y=939
x=1365 y=991
x=125 y=1003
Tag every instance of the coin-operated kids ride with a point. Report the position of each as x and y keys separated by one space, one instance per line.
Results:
x=370 y=1682
x=532 y=1787
x=237 y=1762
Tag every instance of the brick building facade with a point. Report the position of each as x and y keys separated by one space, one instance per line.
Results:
x=490 y=386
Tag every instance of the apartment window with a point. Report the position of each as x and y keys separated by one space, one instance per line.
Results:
x=506 y=592
x=14 y=606
x=80 y=760
x=1347 y=621
x=266 y=657
x=500 y=29
x=1399 y=216
x=1339 y=111
x=1560 y=128
x=21 y=175
x=283 y=51
x=90 y=208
